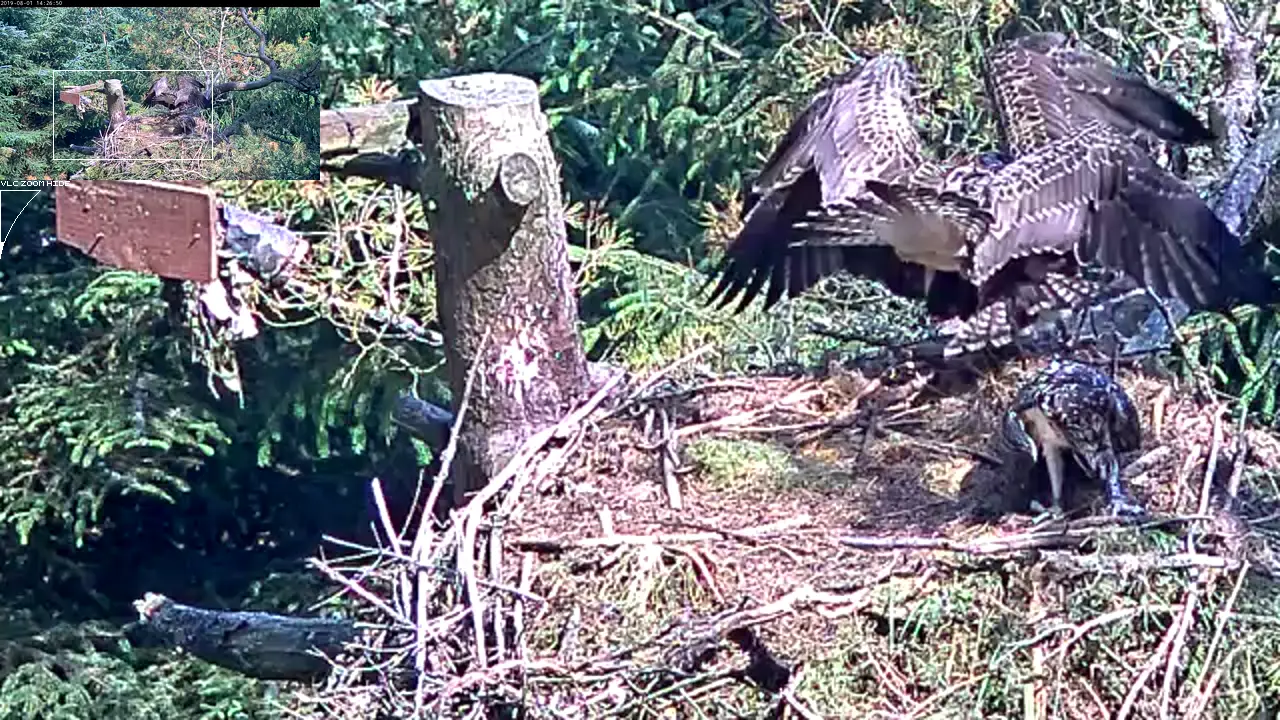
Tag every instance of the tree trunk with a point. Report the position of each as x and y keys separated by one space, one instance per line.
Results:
x=115 y=102
x=506 y=297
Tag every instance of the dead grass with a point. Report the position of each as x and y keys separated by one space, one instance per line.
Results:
x=847 y=549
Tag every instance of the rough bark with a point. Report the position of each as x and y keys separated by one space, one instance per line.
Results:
x=361 y=129
x=506 y=298
x=256 y=644
x=1238 y=43
x=116 y=102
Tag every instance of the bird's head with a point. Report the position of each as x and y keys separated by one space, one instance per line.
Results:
x=1016 y=438
x=891 y=76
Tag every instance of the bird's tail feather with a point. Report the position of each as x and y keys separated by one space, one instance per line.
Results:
x=990 y=327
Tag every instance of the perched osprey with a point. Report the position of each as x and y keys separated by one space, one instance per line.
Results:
x=1070 y=407
x=1072 y=204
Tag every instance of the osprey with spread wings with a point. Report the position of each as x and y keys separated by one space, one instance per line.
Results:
x=1072 y=205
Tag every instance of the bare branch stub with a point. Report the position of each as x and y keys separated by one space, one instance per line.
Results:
x=502 y=265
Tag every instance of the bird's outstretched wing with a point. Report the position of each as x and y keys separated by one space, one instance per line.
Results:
x=1091 y=200
x=1042 y=87
x=860 y=127
x=1093 y=197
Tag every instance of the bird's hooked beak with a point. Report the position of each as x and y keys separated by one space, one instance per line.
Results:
x=1016 y=433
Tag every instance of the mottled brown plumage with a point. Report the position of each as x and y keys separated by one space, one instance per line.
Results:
x=996 y=240
x=1070 y=407
x=1043 y=87
x=858 y=128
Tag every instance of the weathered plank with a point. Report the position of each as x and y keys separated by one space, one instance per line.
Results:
x=160 y=228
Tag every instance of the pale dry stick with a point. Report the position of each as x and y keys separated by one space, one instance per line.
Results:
x=526 y=585
x=1201 y=700
x=401 y=557
x=606 y=521
x=469 y=517
x=358 y=590
x=804 y=392
x=1079 y=631
x=1162 y=650
x=1157 y=411
x=425 y=537
x=700 y=564
x=424 y=534
x=1184 y=473
x=657 y=377
x=481 y=677
x=793 y=702
x=1238 y=463
x=669 y=459
x=1175 y=650
x=751 y=535
x=1202 y=689
x=1093 y=695
x=384 y=515
x=848 y=416
x=1033 y=699
x=466 y=567
x=495 y=572
x=1211 y=467
x=548 y=469
x=943 y=448
x=893 y=682
x=553 y=545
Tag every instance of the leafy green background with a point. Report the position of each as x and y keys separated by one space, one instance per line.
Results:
x=122 y=471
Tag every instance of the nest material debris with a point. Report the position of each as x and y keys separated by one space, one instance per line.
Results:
x=571 y=584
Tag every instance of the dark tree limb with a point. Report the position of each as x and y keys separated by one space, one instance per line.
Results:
x=502 y=266
x=403 y=169
x=304 y=80
x=1238 y=44
x=256 y=644
x=1240 y=190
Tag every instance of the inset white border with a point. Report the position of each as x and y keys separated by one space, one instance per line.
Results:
x=53 y=125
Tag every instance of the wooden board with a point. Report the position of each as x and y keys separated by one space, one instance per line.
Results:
x=153 y=227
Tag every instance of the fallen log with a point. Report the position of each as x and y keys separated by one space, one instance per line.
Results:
x=256 y=644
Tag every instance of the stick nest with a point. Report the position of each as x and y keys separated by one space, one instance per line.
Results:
x=824 y=547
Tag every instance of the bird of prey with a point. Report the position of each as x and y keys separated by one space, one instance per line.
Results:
x=859 y=127
x=1070 y=205
x=1070 y=407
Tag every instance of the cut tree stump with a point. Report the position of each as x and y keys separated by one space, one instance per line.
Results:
x=116 y=102
x=505 y=293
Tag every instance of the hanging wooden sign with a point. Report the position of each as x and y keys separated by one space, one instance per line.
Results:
x=160 y=228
